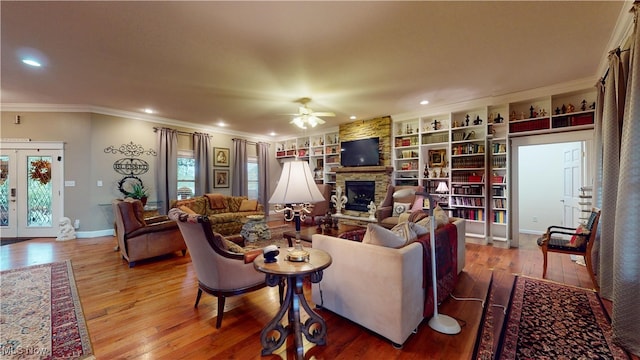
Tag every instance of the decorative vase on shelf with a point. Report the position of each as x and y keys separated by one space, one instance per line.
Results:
x=338 y=200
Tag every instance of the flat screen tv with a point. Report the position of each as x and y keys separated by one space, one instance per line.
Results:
x=361 y=152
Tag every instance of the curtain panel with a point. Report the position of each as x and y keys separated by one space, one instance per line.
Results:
x=239 y=185
x=166 y=168
x=626 y=265
x=263 y=175
x=611 y=167
x=619 y=250
x=202 y=156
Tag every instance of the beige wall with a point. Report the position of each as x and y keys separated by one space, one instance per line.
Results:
x=86 y=136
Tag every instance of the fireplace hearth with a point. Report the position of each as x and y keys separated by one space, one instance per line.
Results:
x=359 y=195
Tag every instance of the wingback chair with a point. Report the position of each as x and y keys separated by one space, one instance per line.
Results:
x=573 y=241
x=140 y=238
x=385 y=214
x=220 y=272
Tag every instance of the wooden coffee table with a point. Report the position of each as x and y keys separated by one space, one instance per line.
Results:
x=307 y=231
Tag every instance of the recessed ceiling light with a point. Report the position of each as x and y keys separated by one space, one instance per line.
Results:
x=424 y=102
x=272 y=133
x=31 y=62
x=221 y=124
x=352 y=117
x=149 y=111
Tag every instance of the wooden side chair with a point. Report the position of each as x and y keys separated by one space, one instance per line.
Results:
x=575 y=241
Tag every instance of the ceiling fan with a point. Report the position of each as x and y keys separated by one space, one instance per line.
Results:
x=306 y=115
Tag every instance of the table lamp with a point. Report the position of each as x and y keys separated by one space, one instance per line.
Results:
x=297 y=190
x=442 y=189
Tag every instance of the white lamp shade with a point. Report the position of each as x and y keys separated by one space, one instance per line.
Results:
x=296 y=185
x=442 y=187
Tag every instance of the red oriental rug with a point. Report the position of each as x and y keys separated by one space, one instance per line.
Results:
x=548 y=320
x=40 y=314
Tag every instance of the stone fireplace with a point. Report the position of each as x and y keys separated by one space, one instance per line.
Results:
x=380 y=176
x=359 y=195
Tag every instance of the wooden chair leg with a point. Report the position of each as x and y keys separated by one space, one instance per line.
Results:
x=587 y=260
x=544 y=262
x=198 y=298
x=220 y=311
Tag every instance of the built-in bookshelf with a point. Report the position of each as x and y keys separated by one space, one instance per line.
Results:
x=469 y=150
x=322 y=151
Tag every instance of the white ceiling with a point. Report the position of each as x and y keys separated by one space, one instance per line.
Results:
x=245 y=63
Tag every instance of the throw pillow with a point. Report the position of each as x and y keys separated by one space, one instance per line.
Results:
x=406 y=232
x=418 y=229
x=378 y=235
x=404 y=217
x=441 y=218
x=417 y=216
x=233 y=247
x=187 y=209
x=576 y=240
x=248 y=205
x=418 y=204
x=399 y=208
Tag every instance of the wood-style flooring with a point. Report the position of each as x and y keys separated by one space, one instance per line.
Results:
x=147 y=312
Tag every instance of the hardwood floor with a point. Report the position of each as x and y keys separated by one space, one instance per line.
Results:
x=147 y=312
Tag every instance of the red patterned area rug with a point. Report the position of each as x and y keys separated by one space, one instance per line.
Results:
x=40 y=314
x=547 y=320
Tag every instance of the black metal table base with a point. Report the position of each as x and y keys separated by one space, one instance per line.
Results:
x=314 y=329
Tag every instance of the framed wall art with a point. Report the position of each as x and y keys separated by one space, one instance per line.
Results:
x=437 y=158
x=220 y=178
x=220 y=156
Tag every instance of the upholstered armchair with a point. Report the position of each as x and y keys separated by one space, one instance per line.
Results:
x=220 y=271
x=385 y=212
x=140 y=238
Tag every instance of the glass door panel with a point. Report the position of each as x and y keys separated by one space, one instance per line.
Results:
x=39 y=191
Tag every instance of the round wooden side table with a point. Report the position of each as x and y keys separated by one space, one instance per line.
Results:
x=315 y=328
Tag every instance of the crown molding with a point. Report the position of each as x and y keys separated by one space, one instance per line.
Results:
x=32 y=107
x=496 y=100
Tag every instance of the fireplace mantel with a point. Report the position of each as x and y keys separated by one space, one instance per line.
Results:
x=364 y=169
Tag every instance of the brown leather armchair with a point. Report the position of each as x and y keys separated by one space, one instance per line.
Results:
x=384 y=212
x=320 y=208
x=140 y=238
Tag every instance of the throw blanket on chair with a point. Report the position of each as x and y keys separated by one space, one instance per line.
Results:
x=216 y=201
x=447 y=265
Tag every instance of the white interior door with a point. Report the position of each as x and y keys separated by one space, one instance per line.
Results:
x=572 y=178
x=31 y=179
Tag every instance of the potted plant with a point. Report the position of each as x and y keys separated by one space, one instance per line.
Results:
x=138 y=191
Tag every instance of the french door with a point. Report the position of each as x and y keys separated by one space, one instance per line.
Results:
x=31 y=179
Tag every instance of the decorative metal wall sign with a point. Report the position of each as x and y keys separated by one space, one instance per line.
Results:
x=130 y=166
x=130 y=150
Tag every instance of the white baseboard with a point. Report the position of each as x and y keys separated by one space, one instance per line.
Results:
x=94 y=234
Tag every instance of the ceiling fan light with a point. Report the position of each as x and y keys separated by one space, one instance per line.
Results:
x=312 y=121
x=299 y=122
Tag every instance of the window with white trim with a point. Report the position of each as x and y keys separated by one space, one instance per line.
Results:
x=186 y=175
x=252 y=177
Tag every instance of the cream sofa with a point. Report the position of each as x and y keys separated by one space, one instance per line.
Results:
x=377 y=287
